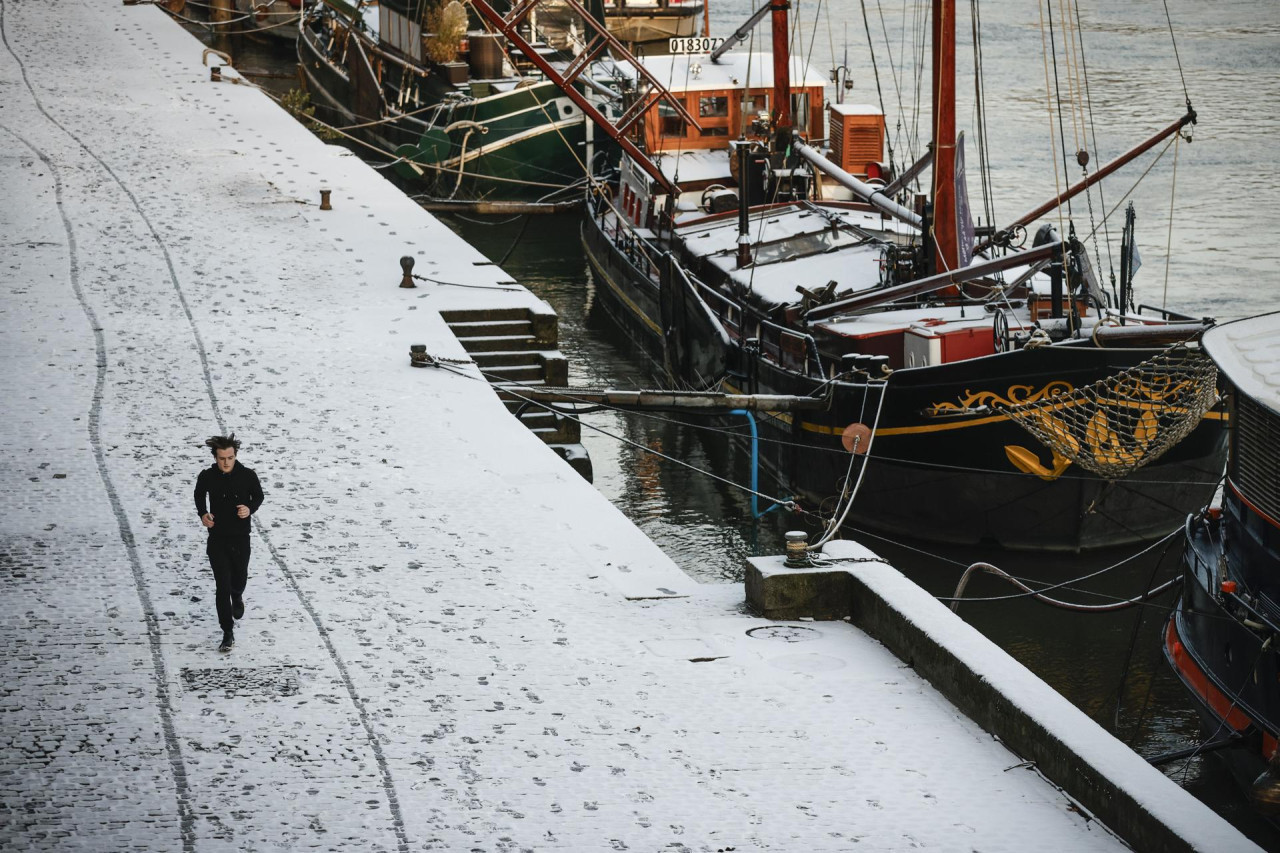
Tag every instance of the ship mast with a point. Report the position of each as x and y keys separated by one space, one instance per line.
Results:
x=781 y=64
x=943 y=231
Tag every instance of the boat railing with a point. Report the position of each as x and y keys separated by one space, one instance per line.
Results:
x=728 y=312
x=783 y=346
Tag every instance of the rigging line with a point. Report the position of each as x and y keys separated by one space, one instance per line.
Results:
x=835 y=525
x=1168 y=246
x=1176 y=57
x=1071 y=60
x=1048 y=94
x=1144 y=174
x=1128 y=660
x=980 y=99
x=1093 y=135
x=1054 y=602
x=897 y=543
x=875 y=70
x=795 y=38
x=864 y=533
x=1089 y=576
x=212 y=26
x=948 y=467
x=396 y=117
x=516 y=241
x=893 y=73
x=787 y=503
x=1057 y=93
x=813 y=38
x=921 y=22
x=831 y=45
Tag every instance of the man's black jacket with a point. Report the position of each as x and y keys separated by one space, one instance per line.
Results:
x=224 y=493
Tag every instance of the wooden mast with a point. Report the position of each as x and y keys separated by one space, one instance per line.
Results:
x=946 y=255
x=781 y=64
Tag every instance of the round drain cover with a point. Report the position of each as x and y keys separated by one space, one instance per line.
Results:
x=786 y=633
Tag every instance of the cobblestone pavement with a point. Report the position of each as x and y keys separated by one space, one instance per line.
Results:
x=452 y=642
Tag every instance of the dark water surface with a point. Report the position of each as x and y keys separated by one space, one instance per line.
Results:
x=1217 y=210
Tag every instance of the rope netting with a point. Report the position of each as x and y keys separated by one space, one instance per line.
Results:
x=1116 y=425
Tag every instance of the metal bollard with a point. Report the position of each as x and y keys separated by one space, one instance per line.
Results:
x=797 y=549
x=406 y=264
x=324 y=200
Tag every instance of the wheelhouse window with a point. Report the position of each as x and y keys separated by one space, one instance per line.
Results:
x=669 y=121
x=713 y=106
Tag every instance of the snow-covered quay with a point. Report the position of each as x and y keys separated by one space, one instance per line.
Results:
x=452 y=641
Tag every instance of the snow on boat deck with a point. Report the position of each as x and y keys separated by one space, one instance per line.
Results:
x=452 y=642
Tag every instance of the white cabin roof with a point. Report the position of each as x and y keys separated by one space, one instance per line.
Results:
x=808 y=252
x=1248 y=352
x=697 y=73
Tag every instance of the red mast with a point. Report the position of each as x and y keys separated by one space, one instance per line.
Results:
x=945 y=239
x=781 y=64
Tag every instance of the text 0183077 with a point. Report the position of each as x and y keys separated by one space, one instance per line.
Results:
x=697 y=44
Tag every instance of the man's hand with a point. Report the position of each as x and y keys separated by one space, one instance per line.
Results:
x=207 y=519
x=242 y=510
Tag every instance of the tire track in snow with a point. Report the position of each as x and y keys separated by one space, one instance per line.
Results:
x=126 y=534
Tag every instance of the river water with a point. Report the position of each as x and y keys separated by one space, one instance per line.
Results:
x=1207 y=222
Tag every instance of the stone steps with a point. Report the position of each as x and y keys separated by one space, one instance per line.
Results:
x=517 y=346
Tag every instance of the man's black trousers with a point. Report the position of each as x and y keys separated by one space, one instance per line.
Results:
x=229 y=559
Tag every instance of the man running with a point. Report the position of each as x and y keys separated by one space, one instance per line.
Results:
x=227 y=493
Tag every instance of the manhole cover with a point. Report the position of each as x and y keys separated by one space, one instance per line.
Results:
x=786 y=633
x=238 y=681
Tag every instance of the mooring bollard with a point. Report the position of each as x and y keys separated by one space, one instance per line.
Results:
x=324 y=200
x=418 y=355
x=215 y=73
x=406 y=264
x=797 y=549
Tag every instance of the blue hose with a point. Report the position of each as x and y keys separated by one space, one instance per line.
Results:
x=755 y=465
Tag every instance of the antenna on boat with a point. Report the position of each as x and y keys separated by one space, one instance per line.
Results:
x=840 y=74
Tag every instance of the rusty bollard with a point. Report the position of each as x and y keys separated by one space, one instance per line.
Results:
x=215 y=73
x=406 y=264
x=418 y=355
x=324 y=200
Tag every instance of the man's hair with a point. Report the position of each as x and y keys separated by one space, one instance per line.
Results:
x=222 y=442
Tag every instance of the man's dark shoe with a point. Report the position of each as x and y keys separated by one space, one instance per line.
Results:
x=237 y=606
x=228 y=640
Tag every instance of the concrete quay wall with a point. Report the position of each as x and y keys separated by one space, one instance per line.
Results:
x=1002 y=696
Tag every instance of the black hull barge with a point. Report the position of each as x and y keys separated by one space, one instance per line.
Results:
x=947 y=465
